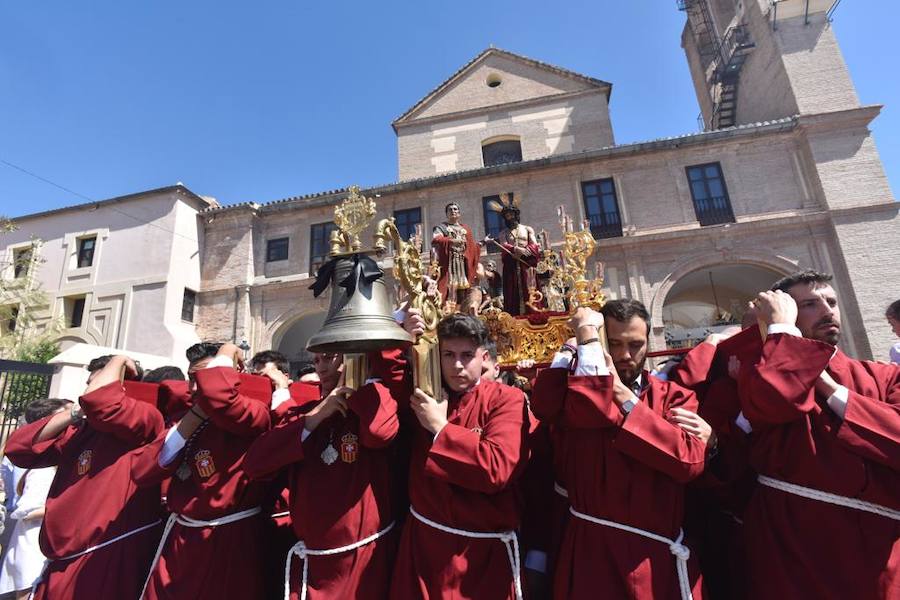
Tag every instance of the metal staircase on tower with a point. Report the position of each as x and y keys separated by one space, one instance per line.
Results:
x=726 y=55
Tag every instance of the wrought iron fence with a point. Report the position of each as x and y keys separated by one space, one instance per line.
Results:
x=20 y=384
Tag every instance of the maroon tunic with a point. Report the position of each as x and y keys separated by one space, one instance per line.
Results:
x=338 y=504
x=800 y=548
x=218 y=563
x=515 y=278
x=92 y=499
x=626 y=470
x=464 y=479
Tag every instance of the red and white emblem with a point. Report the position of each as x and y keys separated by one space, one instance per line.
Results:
x=204 y=463
x=349 y=448
x=84 y=462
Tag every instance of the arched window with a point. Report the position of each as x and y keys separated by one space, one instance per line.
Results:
x=501 y=152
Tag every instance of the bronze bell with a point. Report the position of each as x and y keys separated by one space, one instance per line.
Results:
x=360 y=317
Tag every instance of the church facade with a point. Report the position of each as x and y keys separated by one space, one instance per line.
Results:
x=784 y=176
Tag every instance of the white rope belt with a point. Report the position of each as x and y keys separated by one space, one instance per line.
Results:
x=560 y=490
x=508 y=538
x=681 y=552
x=118 y=538
x=280 y=514
x=814 y=494
x=302 y=552
x=196 y=523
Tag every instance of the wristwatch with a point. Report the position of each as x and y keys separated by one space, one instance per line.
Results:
x=627 y=407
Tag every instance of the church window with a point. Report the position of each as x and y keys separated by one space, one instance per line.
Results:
x=602 y=208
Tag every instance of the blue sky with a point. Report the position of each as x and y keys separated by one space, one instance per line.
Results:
x=265 y=100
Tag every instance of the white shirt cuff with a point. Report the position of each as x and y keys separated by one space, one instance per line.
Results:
x=304 y=434
x=591 y=360
x=561 y=360
x=783 y=328
x=536 y=560
x=743 y=423
x=399 y=315
x=280 y=396
x=171 y=447
x=837 y=402
x=220 y=361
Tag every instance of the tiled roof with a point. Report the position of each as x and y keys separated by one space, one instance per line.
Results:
x=514 y=56
x=662 y=143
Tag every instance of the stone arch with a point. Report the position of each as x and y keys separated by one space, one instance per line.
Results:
x=289 y=333
x=777 y=264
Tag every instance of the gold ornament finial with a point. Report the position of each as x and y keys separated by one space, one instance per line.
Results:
x=352 y=216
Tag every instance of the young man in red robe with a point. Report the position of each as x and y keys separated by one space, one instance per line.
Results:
x=212 y=547
x=631 y=444
x=338 y=459
x=825 y=520
x=459 y=540
x=99 y=531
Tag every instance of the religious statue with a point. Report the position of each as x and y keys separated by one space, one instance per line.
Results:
x=491 y=284
x=457 y=255
x=520 y=253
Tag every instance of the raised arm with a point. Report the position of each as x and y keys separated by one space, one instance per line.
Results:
x=219 y=395
x=484 y=461
x=657 y=442
x=39 y=444
x=377 y=412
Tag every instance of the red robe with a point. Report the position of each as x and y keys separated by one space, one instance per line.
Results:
x=715 y=501
x=464 y=479
x=631 y=471
x=441 y=244
x=515 y=278
x=93 y=499
x=342 y=503
x=800 y=548
x=218 y=563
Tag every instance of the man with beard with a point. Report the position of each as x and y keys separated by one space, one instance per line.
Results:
x=520 y=254
x=825 y=441
x=630 y=443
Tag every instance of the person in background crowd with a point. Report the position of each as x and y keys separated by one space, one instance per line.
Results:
x=99 y=530
x=467 y=452
x=215 y=506
x=823 y=522
x=337 y=452
x=166 y=373
x=893 y=317
x=627 y=460
x=24 y=561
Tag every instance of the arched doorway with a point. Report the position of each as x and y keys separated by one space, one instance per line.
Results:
x=291 y=339
x=709 y=299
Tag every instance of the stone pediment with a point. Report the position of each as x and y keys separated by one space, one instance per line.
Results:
x=496 y=78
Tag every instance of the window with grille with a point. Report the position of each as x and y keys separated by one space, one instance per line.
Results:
x=277 y=249
x=711 y=202
x=319 y=237
x=602 y=208
x=501 y=153
x=406 y=221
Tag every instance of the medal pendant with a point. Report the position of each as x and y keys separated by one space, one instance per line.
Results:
x=329 y=454
x=183 y=472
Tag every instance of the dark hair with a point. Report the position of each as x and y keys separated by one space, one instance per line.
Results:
x=807 y=276
x=260 y=359
x=43 y=407
x=491 y=348
x=625 y=309
x=166 y=373
x=459 y=326
x=449 y=204
x=98 y=363
x=305 y=369
x=201 y=350
x=101 y=361
x=893 y=311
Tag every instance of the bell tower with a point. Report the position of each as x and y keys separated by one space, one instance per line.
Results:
x=760 y=60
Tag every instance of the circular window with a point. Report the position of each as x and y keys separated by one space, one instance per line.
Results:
x=494 y=80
